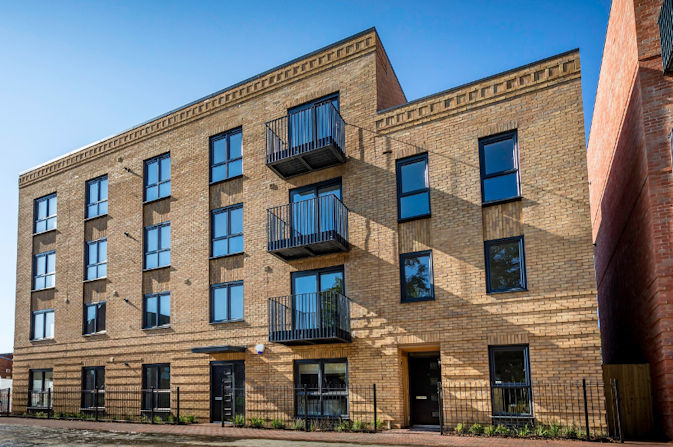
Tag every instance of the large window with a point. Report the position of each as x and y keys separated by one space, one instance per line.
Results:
x=499 y=162
x=417 y=276
x=94 y=318
x=42 y=324
x=321 y=387
x=309 y=125
x=45 y=213
x=157 y=387
x=227 y=230
x=510 y=381
x=158 y=177
x=314 y=210
x=158 y=245
x=413 y=187
x=313 y=300
x=157 y=310
x=226 y=302
x=96 y=259
x=44 y=268
x=93 y=387
x=96 y=197
x=41 y=387
x=226 y=160
x=505 y=265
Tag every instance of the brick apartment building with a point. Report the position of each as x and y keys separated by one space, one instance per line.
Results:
x=6 y=362
x=310 y=226
x=629 y=160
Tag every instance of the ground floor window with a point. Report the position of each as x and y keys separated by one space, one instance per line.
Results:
x=157 y=387
x=321 y=388
x=510 y=381
x=41 y=382
x=93 y=387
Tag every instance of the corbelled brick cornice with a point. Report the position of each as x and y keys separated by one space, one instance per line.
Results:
x=305 y=66
x=496 y=88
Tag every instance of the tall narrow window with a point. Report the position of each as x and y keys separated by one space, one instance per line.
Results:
x=158 y=177
x=417 y=276
x=44 y=268
x=94 y=318
x=413 y=187
x=96 y=259
x=157 y=387
x=158 y=245
x=45 y=213
x=226 y=160
x=41 y=387
x=42 y=324
x=310 y=125
x=314 y=298
x=510 y=381
x=499 y=163
x=93 y=387
x=227 y=230
x=157 y=311
x=505 y=265
x=326 y=383
x=96 y=197
x=226 y=302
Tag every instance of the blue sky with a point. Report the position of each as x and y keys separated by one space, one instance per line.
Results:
x=73 y=72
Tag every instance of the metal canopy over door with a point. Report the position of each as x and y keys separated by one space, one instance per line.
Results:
x=222 y=384
x=424 y=374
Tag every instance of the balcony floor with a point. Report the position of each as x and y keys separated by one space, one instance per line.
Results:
x=289 y=163
x=289 y=249
x=309 y=337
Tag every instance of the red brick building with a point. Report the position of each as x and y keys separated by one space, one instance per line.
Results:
x=631 y=187
x=6 y=361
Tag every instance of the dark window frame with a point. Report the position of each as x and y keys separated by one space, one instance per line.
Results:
x=159 y=249
x=31 y=374
x=98 y=202
x=225 y=135
x=158 y=295
x=98 y=264
x=98 y=320
x=44 y=324
x=510 y=134
x=92 y=391
x=227 y=210
x=147 y=387
x=48 y=217
x=403 y=278
x=399 y=163
x=522 y=255
x=46 y=273
x=492 y=349
x=227 y=286
x=159 y=182
x=321 y=372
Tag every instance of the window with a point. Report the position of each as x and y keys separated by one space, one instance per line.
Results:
x=96 y=197
x=417 y=276
x=510 y=381
x=94 y=317
x=314 y=303
x=157 y=311
x=96 y=259
x=499 y=163
x=44 y=267
x=505 y=265
x=158 y=245
x=227 y=231
x=45 y=213
x=226 y=302
x=41 y=383
x=93 y=379
x=42 y=324
x=157 y=387
x=314 y=210
x=158 y=177
x=310 y=124
x=326 y=384
x=413 y=187
x=226 y=160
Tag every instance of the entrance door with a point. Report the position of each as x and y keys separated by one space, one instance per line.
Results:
x=222 y=392
x=424 y=374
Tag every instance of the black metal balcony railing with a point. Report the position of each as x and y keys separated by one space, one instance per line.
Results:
x=305 y=141
x=666 y=34
x=308 y=228
x=308 y=318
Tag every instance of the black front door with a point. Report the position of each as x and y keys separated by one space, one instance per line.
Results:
x=424 y=374
x=222 y=385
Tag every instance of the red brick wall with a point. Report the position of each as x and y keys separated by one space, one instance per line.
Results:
x=629 y=162
x=5 y=366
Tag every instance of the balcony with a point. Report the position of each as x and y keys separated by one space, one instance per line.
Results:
x=308 y=228
x=666 y=34
x=305 y=141
x=310 y=318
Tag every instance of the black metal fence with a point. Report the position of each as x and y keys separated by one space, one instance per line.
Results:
x=6 y=401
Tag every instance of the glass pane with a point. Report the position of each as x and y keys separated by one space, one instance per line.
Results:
x=91 y=210
x=39 y=282
x=165 y=236
x=150 y=379
x=165 y=168
x=102 y=270
x=511 y=401
x=305 y=283
x=235 y=145
x=414 y=176
x=414 y=205
x=505 y=266
x=89 y=379
x=93 y=253
x=92 y=272
x=151 y=311
x=152 y=261
x=42 y=209
x=499 y=156
x=236 y=216
x=335 y=375
x=218 y=173
x=236 y=244
x=90 y=319
x=52 y=206
x=165 y=378
x=220 y=247
x=219 y=151
x=51 y=223
x=220 y=304
x=49 y=280
x=40 y=226
x=236 y=295
x=48 y=380
x=38 y=326
x=164 y=258
x=152 y=193
x=51 y=262
x=49 y=325
x=308 y=375
x=103 y=189
x=235 y=168
x=102 y=251
x=151 y=173
x=417 y=276
x=93 y=192
x=303 y=216
x=501 y=188
x=37 y=383
x=101 y=317
x=509 y=366
x=152 y=239
x=164 y=310
x=164 y=189
x=102 y=208
x=220 y=224
x=332 y=281
x=41 y=265
x=100 y=377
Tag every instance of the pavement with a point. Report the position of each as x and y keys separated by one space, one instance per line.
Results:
x=214 y=434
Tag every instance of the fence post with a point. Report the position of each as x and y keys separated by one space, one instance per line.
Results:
x=586 y=407
x=440 y=400
x=177 y=418
x=306 y=408
x=222 y=405
x=375 y=415
x=151 y=405
x=615 y=384
x=49 y=405
x=9 y=400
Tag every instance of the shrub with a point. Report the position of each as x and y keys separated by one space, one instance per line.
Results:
x=569 y=432
x=256 y=422
x=541 y=431
x=297 y=424
x=502 y=430
x=379 y=424
x=41 y=415
x=489 y=430
x=277 y=424
x=359 y=426
x=239 y=420
x=524 y=431
x=170 y=419
x=554 y=430
x=477 y=429
x=344 y=425
x=460 y=428
x=158 y=420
